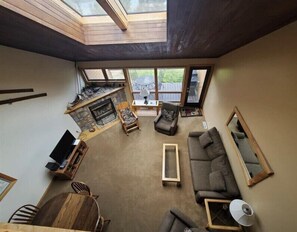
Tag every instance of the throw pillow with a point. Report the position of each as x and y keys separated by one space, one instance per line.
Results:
x=217 y=181
x=205 y=139
x=168 y=115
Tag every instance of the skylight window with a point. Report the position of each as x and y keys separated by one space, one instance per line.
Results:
x=109 y=24
x=85 y=7
x=144 y=6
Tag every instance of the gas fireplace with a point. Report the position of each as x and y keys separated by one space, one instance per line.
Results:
x=103 y=112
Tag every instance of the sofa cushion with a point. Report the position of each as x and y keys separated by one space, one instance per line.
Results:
x=219 y=164
x=196 y=152
x=217 y=181
x=177 y=226
x=200 y=174
x=128 y=116
x=215 y=149
x=205 y=139
x=222 y=164
x=164 y=124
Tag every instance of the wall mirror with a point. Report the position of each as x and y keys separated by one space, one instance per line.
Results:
x=252 y=159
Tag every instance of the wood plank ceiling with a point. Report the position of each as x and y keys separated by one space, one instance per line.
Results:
x=196 y=29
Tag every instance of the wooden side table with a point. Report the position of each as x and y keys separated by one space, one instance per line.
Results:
x=218 y=215
x=151 y=104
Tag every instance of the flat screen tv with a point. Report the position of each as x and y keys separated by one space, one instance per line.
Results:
x=64 y=148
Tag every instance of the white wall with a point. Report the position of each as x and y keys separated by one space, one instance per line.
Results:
x=261 y=80
x=30 y=129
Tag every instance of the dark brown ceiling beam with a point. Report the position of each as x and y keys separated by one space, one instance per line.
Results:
x=115 y=12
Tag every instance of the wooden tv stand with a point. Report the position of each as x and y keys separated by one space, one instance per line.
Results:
x=73 y=162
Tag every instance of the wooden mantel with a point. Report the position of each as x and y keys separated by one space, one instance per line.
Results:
x=87 y=102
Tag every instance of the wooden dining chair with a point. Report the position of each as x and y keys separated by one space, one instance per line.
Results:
x=101 y=223
x=82 y=188
x=24 y=214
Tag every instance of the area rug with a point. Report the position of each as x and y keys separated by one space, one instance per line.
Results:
x=190 y=112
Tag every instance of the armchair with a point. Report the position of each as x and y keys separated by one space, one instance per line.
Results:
x=175 y=221
x=166 y=121
x=128 y=118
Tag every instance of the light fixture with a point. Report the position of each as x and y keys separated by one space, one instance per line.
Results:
x=144 y=92
x=242 y=212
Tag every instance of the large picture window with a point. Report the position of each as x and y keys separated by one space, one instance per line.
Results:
x=158 y=83
x=164 y=84
x=170 y=84
x=142 y=79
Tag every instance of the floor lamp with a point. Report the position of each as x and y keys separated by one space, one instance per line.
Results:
x=242 y=212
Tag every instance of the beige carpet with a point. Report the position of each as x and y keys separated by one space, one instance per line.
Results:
x=126 y=172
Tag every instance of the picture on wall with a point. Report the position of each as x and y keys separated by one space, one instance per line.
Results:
x=6 y=183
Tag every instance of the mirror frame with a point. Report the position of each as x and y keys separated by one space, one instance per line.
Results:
x=267 y=171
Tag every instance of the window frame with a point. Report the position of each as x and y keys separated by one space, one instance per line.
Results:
x=156 y=91
x=106 y=78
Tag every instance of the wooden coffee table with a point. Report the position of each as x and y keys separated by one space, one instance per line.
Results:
x=170 y=164
x=219 y=216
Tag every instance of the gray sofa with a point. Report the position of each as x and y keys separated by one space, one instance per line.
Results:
x=212 y=175
x=175 y=221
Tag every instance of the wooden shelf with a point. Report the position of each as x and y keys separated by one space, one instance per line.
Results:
x=73 y=162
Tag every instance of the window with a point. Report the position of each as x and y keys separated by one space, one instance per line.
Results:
x=104 y=75
x=91 y=22
x=170 y=84
x=85 y=7
x=166 y=86
x=94 y=74
x=142 y=78
x=115 y=74
x=144 y=6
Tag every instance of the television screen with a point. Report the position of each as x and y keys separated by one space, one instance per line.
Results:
x=64 y=148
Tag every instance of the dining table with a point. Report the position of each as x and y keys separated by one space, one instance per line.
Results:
x=69 y=211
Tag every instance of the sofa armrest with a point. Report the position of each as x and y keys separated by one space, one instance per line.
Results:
x=174 y=122
x=182 y=217
x=195 y=133
x=201 y=195
x=157 y=118
x=167 y=222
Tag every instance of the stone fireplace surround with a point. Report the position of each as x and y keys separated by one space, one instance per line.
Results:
x=83 y=115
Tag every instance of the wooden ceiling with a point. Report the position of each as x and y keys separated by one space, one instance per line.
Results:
x=196 y=29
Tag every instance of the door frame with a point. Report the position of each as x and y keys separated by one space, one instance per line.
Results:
x=206 y=83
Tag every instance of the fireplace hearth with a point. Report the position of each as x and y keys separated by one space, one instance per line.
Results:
x=99 y=110
x=103 y=112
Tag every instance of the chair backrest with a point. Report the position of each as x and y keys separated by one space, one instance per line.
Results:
x=123 y=105
x=24 y=214
x=170 y=106
x=81 y=188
